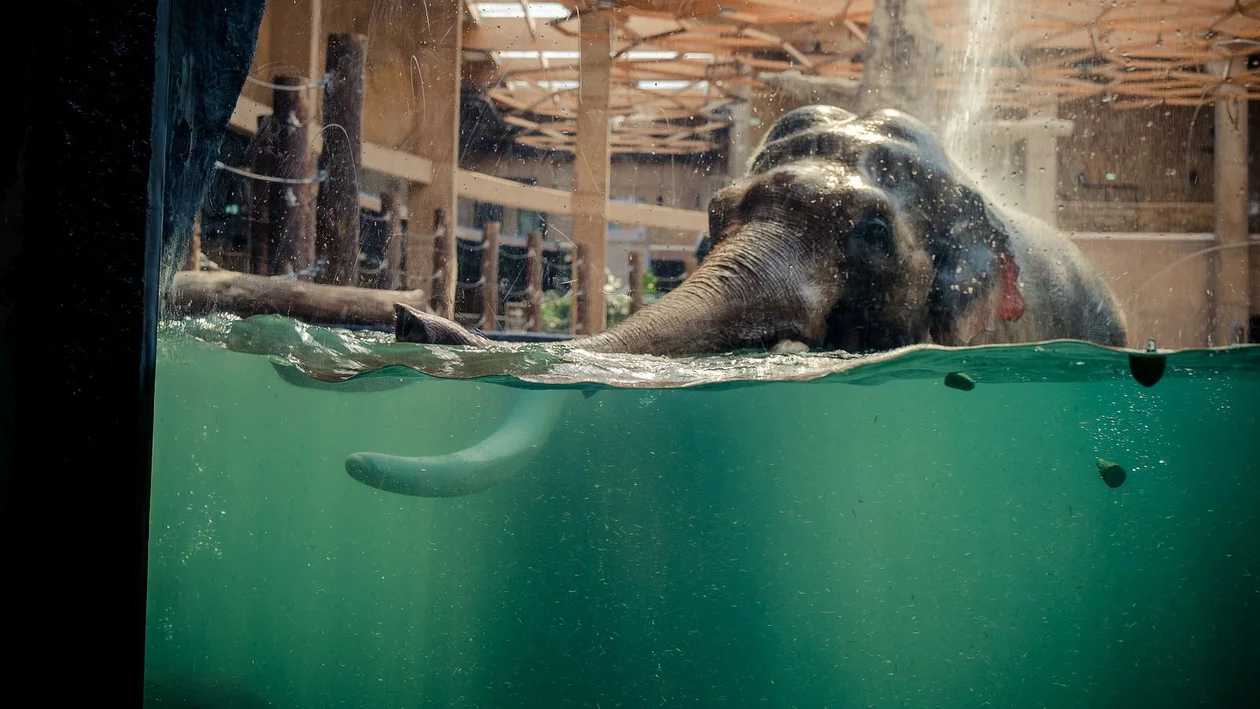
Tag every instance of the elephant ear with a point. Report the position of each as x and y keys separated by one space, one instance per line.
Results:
x=972 y=257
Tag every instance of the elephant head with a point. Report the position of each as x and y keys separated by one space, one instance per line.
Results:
x=848 y=232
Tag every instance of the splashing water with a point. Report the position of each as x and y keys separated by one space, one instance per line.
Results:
x=967 y=133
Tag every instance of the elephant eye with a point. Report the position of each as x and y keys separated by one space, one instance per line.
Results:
x=874 y=230
x=871 y=240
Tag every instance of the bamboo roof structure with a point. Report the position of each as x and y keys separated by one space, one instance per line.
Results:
x=679 y=63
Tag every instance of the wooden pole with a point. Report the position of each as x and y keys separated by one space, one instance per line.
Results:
x=261 y=163
x=291 y=205
x=636 y=282
x=1041 y=169
x=581 y=317
x=433 y=39
x=391 y=271
x=1229 y=307
x=689 y=266
x=534 y=280
x=337 y=208
x=445 y=265
x=490 y=277
x=192 y=256
x=590 y=173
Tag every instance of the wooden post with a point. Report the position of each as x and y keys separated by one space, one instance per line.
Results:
x=739 y=145
x=337 y=208
x=490 y=277
x=636 y=282
x=1041 y=169
x=1228 y=305
x=689 y=266
x=391 y=273
x=445 y=265
x=291 y=205
x=192 y=256
x=590 y=172
x=581 y=315
x=534 y=280
x=261 y=162
x=433 y=39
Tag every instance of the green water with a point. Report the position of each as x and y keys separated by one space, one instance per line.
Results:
x=792 y=544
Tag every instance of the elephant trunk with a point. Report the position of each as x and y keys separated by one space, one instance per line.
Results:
x=751 y=291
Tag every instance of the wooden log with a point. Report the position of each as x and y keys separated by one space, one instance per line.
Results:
x=244 y=294
x=636 y=282
x=445 y=265
x=192 y=253
x=391 y=270
x=490 y=277
x=291 y=203
x=534 y=280
x=337 y=207
x=261 y=162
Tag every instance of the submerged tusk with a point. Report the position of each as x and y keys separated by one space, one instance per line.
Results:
x=484 y=464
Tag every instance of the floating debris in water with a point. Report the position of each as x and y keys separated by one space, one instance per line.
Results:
x=1111 y=473
x=960 y=380
x=1147 y=368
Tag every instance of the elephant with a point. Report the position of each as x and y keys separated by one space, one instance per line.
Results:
x=848 y=232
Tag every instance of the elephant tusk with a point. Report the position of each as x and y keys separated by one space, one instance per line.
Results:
x=483 y=465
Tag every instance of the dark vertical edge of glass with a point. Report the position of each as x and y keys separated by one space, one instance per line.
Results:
x=77 y=316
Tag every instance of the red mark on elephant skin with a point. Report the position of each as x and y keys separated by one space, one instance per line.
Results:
x=1011 y=305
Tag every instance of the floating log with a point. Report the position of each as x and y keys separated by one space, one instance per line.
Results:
x=391 y=270
x=291 y=203
x=337 y=207
x=204 y=292
x=534 y=280
x=490 y=277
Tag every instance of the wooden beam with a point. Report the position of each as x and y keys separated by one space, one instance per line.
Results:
x=488 y=188
x=296 y=38
x=651 y=215
x=591 y=173
x=436 y=32
x=1230 y=288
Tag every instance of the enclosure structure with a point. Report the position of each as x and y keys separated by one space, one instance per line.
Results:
x=606 y=126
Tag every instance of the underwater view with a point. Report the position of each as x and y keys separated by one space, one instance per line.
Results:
x=1020 y=525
